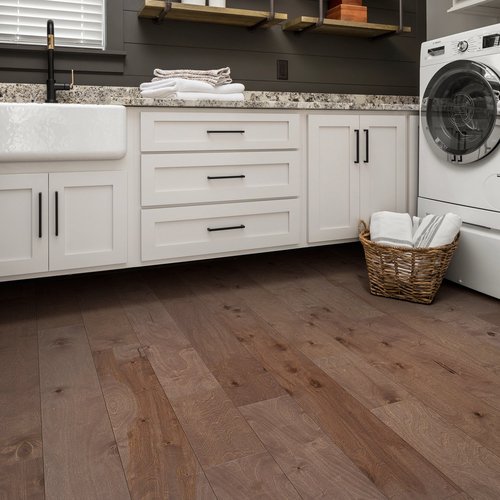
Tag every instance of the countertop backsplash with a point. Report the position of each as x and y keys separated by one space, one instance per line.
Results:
x=130 y=96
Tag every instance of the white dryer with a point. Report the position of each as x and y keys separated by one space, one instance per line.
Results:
x=459 y=148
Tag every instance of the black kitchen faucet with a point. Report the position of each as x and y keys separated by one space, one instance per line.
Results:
x=52 y=86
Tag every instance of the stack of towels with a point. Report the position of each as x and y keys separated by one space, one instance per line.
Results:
x=401 y=230
x=187 y=84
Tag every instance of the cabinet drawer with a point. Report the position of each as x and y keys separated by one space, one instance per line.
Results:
x=176 y=179
x=166 y=131
x=203 y=230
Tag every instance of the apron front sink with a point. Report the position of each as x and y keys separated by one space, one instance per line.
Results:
x=58 y=132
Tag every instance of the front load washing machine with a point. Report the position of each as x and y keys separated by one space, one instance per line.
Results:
x=459 y=148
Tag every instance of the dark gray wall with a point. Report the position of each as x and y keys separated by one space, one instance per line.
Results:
x=317 y=63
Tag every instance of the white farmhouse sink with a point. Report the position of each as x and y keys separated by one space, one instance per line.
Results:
x=56 y=132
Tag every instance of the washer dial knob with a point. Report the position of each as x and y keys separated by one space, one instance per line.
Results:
x=462 y=46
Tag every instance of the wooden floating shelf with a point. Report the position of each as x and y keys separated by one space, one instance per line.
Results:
x=215 y=15
x=346 y=28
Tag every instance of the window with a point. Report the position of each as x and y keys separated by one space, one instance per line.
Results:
x=78 y=23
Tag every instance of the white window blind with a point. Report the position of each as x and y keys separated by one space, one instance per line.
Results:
x=78 y=23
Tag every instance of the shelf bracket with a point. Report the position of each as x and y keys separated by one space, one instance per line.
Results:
x=270 y=18
x=400 y=26
x=164 y=12
x=321 y=18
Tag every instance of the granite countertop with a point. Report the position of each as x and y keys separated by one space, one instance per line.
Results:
x=130 y=96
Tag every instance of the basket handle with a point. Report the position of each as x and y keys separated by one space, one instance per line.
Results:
x=362 y=226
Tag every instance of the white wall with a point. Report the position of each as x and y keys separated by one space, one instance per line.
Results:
x=440 y=23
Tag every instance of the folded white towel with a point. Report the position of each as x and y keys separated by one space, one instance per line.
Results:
x=163 y=88
x=193 y=96
x=437 y=230
x=212 y=76
x=178 y=85
x=392 y=229
x=199 y=96
x=416 y=223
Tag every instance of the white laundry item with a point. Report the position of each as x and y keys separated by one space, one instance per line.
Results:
x=178 y=85
x=213 y=76
x=416 y=223
x=199 y=96
x=392 y=229
x=437 y=230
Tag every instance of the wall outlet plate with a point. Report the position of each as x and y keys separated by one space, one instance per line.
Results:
x=282 y=69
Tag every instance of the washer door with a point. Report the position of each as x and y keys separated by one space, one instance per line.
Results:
x=460 y=111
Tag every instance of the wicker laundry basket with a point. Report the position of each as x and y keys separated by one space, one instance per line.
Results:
x=412 y=274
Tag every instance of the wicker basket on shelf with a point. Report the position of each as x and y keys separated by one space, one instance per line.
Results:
x=412 y=274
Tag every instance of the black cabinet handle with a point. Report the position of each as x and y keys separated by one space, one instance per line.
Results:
x=57 y=213
x=228 y=228
x=39 y=215
x=367 y=152
x=357 y=146
x=225 y=131
x=214 y=177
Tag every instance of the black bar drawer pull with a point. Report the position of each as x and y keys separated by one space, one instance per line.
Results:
x=39 y=215
x=214 y=177
x=357 y=146
x=57 y=213
x=225 y=131
x=367 y=152
x=228 y=228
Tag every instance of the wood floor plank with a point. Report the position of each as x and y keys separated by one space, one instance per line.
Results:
x=305 y=286
x=388 y=461
x=80 y=452
x=243 y=379
x=426 y=380
x=311 y=461
x=362 y=380
x=316 y=340
x=57 y=303
x=251 y=477
x=21 y=461
x=216 y=430
x=156 y=455
x=468 y=464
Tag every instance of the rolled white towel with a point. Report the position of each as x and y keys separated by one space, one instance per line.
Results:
x=213 y=76
x=437 y=230
x=165 y=87
x=392 y=229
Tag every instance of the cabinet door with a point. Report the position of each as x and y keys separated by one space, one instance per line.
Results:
x=23 y=224
x=88 y=219
x=383 y=166
x=333 y=177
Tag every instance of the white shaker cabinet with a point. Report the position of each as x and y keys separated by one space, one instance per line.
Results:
x=357 y=165
x=88 y=226
x=59 y=221
x=23 y=224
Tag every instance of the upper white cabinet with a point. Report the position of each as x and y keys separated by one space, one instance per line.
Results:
x=23 y=224
x=166 y=131
x=58 y=221
x=357 y=165
x=478 y=7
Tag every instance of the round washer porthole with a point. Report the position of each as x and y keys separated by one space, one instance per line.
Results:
x=460 y=113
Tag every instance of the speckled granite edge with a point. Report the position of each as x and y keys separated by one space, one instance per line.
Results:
x=130 y=96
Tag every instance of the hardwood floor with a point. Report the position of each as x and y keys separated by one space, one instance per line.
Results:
x=272 y=376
